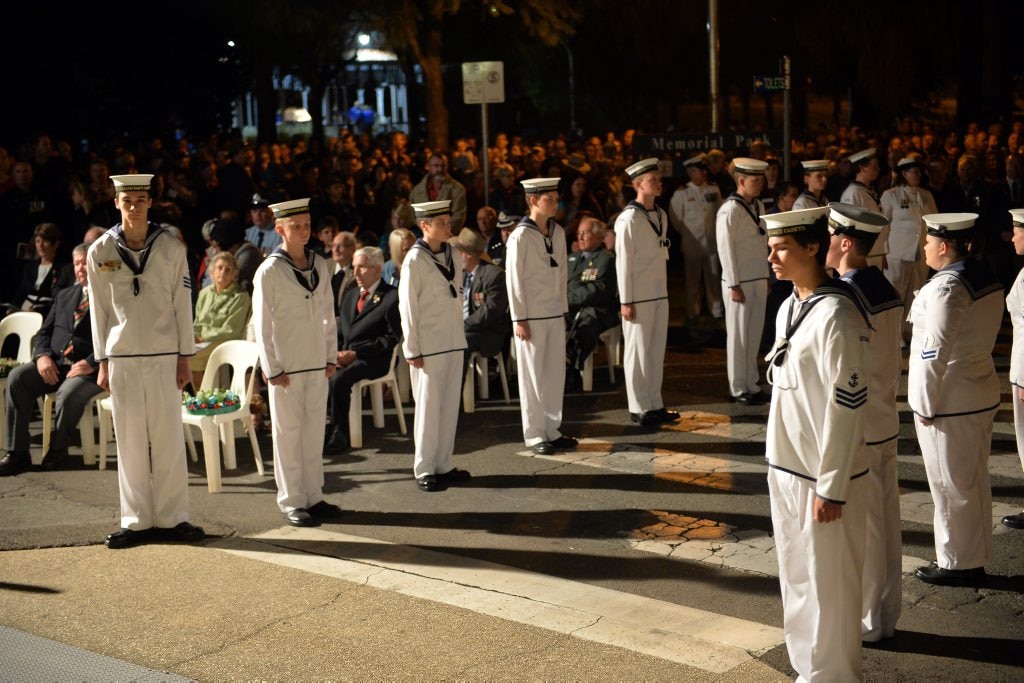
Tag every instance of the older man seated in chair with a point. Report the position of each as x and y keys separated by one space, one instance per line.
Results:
x=64 y=363
x=369 y=327
x=484 y=297
x=593 y=298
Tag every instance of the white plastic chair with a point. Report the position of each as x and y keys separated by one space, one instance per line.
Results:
x=478 y=367
x=86 y=427
x=24 y=324
x=376 y=387
x=612 y=340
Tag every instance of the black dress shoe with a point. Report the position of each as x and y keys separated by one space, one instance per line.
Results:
x=429 y=483
x=1014 y=521
x=337 y=443
x=565 y=443
x=126 y=538
x=14 y=463
x=666 y=416
x=54 y=459
x=543 y=448
x=951 y=577
x=325 y=510
x=454 y=476
x=648 y=419
x=183 y=531
x=299 y=517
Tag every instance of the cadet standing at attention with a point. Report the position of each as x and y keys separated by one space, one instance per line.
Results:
x=141 y=305
x=815 y=181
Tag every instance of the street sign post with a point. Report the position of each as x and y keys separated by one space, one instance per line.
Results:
x=483 y=83
x=763 y=84
x=774 y=83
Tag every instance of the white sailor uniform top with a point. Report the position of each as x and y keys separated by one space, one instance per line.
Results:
x=861 y=195
x=536 y=272
x=904 y=206
x=693 y=209
x=956 y=317
x=430 y=302
x=641 y=252
x=742 y=244
x=806 y=200
x=129 y=293
x=293 y=314
x=820 y=370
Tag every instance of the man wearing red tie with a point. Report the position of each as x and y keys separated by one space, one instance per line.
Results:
x=64 y=363
x=369 y=327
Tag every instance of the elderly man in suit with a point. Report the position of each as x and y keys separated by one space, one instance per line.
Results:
x=64 y=363
x=593 y=297
x=369 y=327
x=484 y=297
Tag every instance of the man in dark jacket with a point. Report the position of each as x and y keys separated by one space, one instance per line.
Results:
x=64 y=364
x=593 y=297
x=484 y=297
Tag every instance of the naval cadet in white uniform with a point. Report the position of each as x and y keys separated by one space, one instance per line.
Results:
x=430 y=303
x=742 y=248
x=692 y=212
x=815 y=182
x=641 y=257
x=819 y=369
x=535 y=275
x=141 y=304
x=296 y=334
x=1015 y=306
x=860 y=192
x=854 y=231
x=953 y=390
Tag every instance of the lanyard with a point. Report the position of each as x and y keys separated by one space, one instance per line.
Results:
x=309 y=285
x=831 y=287
x=658 y=228
x=447 y=269
x=547 y=240
x=126 y=254
x=746 y=207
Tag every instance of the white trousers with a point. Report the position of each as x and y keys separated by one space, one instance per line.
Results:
x=437 y=390
x=147 y=411
x=820 y=574
x=906 y=278
x=956 y=451
x=744 y=324
x=643 y=355
x=883 y=551
x=297 y=413
x=540 y=366
x=700 y=270
x=1018 y=423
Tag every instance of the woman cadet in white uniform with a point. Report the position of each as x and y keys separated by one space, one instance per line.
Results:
x=954 y=392
x=535 y=274
x=293 y=316
x=815 y=181
x=641 y=255
x=741 y=249
x=854 y=231
x=141 y=304
x=904 y=205
x=819 y=370
x=692 y=211
x=1015 y=305
x=430 y=303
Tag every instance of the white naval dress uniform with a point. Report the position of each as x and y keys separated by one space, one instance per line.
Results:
x=815 y=447
x=859 y=194
x=430 y=303
x=641 y=257
x=535 y=275
x=293 y=317
x=952 y=380
x=806 y=200
x=141 y=331
x=743 y=251
x=1015 y=306
x=692 y=211
x=883 y=551
x=904 y=205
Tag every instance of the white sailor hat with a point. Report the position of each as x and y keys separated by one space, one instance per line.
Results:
x=863 y=156
x=507 y=221
x=641 y=167
x=789 y=222
x=1017 y=217
x=949 y=224
x=137 y=182
x=428 y=210
x=292 y=207
x=699 y=160
x=856 y=221
x=907 y=163
x=748 y=166
x=815 y=165
x=540 y=185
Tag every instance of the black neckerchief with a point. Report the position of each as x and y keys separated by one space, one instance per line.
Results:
x=447 y=269
x=831 y=287
x=548 y=245
x=866 y=189
x=126 y=252
x=658 y=228
x=309 y=285
x=746 y=207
